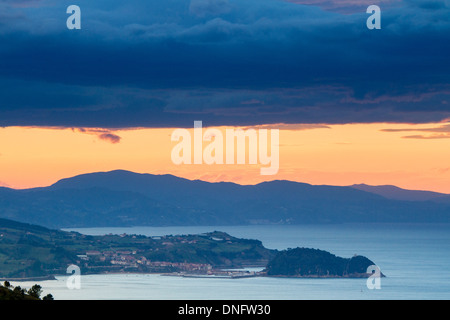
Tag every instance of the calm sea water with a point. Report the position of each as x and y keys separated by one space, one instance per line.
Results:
x=415 y=259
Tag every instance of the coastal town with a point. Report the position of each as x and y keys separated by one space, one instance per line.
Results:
x=34 y=252
x=121 y=260
x=128 y=260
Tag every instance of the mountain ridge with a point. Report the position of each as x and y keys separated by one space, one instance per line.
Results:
x=125 y=198
x=397 y=193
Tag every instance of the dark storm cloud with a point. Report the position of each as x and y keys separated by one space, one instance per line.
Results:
x=168 y=63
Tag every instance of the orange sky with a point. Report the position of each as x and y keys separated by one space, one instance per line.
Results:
x=316 y=154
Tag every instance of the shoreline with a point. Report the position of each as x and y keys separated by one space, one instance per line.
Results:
x=240 y=275
x=25 y=279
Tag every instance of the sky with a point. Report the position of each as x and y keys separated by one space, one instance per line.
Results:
x=353 y=105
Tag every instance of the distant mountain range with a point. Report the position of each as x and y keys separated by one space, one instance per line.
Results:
x=123 y=198
x=393 y=192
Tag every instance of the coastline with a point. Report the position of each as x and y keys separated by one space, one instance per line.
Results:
x=218 y=275
x=25 y=279
x=352 y=276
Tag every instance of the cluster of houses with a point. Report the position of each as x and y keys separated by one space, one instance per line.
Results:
x=129 y=259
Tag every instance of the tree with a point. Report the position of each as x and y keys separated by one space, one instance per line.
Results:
x=18 y=292
x=35 y=291
x=48 y=297
x=8 y=292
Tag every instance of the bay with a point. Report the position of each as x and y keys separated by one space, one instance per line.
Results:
x=414 y=258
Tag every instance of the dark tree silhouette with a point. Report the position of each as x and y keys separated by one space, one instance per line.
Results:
x=35 y=291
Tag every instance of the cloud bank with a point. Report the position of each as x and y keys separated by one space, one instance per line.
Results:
x=168 y=63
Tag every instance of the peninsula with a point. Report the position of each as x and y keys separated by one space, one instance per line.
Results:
x=34 y=252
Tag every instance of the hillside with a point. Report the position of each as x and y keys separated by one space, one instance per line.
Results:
x=306 y=262
x=32 y=251
x=10 y=293
x=122 y=198
x=29 y=251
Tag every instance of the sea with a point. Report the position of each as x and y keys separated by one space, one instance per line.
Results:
x=414 y=258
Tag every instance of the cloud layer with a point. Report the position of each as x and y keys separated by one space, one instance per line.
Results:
x=440 y=132
x=168 y=63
